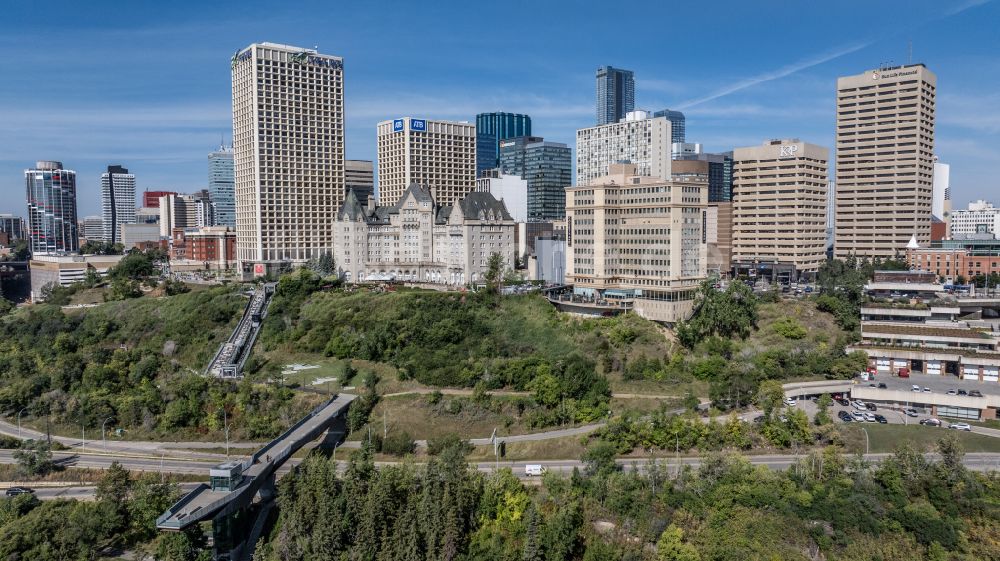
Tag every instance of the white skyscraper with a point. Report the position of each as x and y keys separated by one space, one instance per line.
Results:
x=117 y=201
x=288 y=148
x=941 y=203
x=439 y=155
x=636 y=139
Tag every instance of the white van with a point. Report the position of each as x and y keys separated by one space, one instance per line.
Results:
x=533 y=469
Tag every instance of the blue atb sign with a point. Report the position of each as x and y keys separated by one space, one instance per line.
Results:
x=418 y=125
x=397 y=125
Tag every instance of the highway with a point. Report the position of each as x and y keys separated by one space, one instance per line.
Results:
x=973 y=461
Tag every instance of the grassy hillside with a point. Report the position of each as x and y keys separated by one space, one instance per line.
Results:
x=138 y=362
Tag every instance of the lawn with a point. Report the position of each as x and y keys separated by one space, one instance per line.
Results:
x=885 y=438
x=562 y=448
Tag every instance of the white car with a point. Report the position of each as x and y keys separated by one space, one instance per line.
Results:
x=927 y=390
x=858 y=416
x=789 y=402
x=869 y=417
x=858 y=404
x=534 y=469
x=952 y=392
x=916 y=388
x=960 y=426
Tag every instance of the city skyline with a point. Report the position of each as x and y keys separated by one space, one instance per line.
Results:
x=170 y=111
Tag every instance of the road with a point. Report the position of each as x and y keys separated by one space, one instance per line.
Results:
x=976 y=462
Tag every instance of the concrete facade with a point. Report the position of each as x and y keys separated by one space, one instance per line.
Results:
x=885 y=160
x=65 y=270
x=132 y=235
x=288 y=153
x=440 y=155
x=637 y=139
x=637 y=241
x=779 y=204
x=980 y=218
x=510 y=189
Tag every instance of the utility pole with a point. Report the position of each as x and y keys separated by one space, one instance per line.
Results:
x=19 y=422
x=225 y=428
x=83 y=437
x=103 y=437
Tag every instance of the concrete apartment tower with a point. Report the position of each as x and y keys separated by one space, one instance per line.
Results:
x=288 y=153
x=780 y=209
x=638 y=138
x=117 y=201
x=439 y=155
x=885 y=160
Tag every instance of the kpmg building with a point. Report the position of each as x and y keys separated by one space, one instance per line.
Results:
x=493 y=128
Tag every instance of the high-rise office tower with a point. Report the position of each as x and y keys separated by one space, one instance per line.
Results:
x=547 y=167
x=92 y=228
x=720 y=173
x=117 y=201
x=439 y=155
x=360 y=176
x=615 y=94
x=288 y=151
x=885 y=160
x=677 y=124
x=222 y=186
x=13 y=227
x=51 y=197
x=639 y=139
x=779 y=207
x=493 y=128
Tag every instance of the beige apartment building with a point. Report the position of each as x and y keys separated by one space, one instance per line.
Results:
x=440 y=155
x=288 y=144
x=639 y=138
x=779 y=208
x=885 y=160
x=637 y=242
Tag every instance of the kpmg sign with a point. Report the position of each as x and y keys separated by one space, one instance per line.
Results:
x=415 y=125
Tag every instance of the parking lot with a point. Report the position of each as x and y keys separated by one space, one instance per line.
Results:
x=937 y=384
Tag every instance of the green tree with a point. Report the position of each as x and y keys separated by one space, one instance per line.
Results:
x=671 y=546
x=728 y=313
x=600 y=458
x=34 y=458
x=770 y=397
x=494 y=272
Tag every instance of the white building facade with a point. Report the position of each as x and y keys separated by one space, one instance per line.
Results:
x=510 y=189
x=288 y=153
x=117 y=202
x=980 y=218
x=637 y=139
x=418 y=240
x=440 y=155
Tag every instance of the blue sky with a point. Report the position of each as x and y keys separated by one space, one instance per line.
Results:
x=147 y=84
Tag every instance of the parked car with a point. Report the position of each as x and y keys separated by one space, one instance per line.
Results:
x=844 y=401
x=869 y=418
x=927 y=390
x=844 y=416
x=871 y=407
x=915 y=388
x=975 y=393
x=930 y=422
x=858 y=416
x=911 y=412
x=789 y=402
x=903 y=373
x=881 y=419
x=15 y=491
x=952 y=392
x=960 y=426
x=809 y=289
x=963 y=392
x=882 y=386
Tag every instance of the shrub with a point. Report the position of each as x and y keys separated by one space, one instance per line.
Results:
x=789 y=328
x=398 y=444
x=436 y=446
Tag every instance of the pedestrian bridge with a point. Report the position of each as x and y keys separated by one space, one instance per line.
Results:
x=236 y=485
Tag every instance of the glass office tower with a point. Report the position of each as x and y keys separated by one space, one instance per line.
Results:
x=615 y=94
x=677 y=127
x=546 y=167
x=222 y=186
x=491 y=129
x=51 y=197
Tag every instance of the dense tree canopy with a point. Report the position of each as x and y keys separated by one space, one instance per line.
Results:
x=727 y=313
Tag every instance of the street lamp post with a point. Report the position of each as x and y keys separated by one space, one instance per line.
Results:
x=83 y=437
x=103 y=437
x=19 y=422
x=867 y=441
